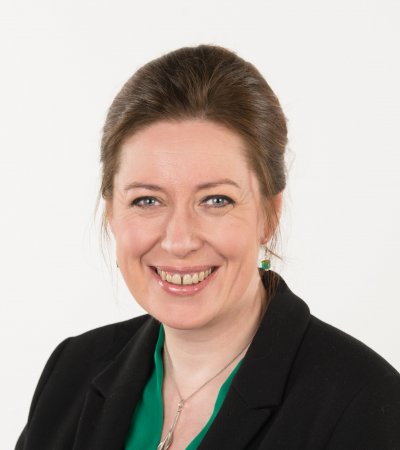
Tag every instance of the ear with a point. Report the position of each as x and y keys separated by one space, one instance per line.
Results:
x=272 y=221
x=278 y=203
x=108 y=214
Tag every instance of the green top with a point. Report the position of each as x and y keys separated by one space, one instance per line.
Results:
x=146 y=425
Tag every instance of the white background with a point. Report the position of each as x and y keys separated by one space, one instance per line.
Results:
x=335 y=67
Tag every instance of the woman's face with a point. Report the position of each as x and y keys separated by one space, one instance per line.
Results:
x=186 y=204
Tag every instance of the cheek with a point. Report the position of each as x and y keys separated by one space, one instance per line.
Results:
x=235 y=244
x=132 y=241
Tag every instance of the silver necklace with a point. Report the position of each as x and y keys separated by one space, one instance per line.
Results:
x=167 y=441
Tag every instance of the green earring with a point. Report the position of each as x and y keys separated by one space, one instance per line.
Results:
x=265 y=264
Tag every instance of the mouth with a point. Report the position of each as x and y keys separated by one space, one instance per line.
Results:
x=184 y=277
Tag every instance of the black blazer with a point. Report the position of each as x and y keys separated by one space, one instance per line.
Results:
x=303 y=384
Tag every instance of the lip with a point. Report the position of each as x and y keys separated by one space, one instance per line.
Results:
x=183 y=290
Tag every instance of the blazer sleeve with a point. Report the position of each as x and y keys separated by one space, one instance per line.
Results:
x=47 y=371
x=372 y=419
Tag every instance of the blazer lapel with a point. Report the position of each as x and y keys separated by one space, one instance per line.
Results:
x=114 y=393
x=258 y=387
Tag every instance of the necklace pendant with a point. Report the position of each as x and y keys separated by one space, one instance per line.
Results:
x=167 y=441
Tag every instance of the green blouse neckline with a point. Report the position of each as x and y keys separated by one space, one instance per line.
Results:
x=146 y=425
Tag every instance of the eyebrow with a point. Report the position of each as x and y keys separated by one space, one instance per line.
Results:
x=154 y=187
x=136 y=185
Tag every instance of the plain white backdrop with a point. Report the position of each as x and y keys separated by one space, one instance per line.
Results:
x=334 y=66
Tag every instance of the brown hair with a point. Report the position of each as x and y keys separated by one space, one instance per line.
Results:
x=205 y=82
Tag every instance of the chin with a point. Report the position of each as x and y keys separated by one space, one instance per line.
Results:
x=183 y=320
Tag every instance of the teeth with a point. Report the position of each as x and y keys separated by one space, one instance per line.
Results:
x=195 y=278
x=176 y=279
x=185 y=279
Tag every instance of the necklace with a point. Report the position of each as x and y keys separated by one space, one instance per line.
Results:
x=167 y=441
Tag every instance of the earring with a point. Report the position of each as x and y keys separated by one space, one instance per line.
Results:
x=116 y=262
x=266 y=262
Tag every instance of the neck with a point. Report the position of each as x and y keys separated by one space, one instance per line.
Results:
x=200 y=353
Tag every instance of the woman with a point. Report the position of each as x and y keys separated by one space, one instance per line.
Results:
x=227 y=357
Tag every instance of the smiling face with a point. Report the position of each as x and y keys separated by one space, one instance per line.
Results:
x=187 y=219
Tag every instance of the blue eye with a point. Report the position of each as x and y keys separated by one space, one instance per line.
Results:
x=144 y=202
x=218 y=201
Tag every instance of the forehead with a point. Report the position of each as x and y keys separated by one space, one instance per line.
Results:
x=184 y=152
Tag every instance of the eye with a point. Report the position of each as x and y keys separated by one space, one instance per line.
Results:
x=144 y=202
x=218 y=201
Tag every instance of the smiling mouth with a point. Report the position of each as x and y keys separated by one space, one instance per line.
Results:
x=184 y=279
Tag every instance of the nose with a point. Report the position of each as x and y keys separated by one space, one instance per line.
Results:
x=181 y=233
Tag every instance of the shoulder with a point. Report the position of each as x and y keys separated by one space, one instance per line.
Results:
x=77 y=359
x=356 y=383
x=71 y=368
x=110 y=330
x=325 y=358
x=342 y=353
x=344 y=389
x=338 y=368
x=98 y=346
x=80 y=357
